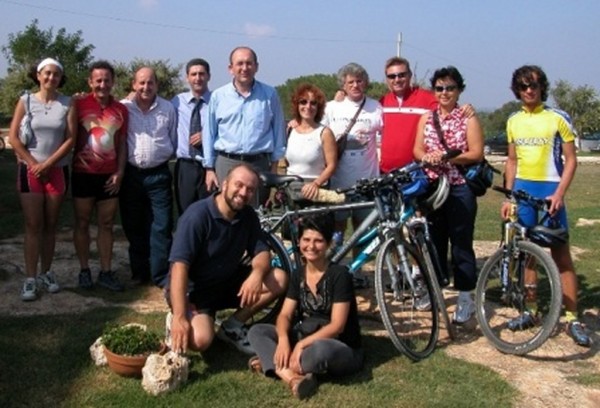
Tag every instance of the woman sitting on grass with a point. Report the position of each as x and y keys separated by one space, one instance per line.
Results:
x=317 y=330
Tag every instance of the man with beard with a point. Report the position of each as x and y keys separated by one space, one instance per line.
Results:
x=220 y=248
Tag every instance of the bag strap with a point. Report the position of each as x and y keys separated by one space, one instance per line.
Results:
x=353 y=120
x=438 y=129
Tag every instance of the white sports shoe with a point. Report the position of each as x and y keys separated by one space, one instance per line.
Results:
x=29 y=291
x=238 y=336
x=465 y=308
x=48 y=281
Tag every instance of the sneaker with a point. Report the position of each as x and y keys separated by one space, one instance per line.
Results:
x=29 y=291
x=48 y=281
x=237 y=337
x=85 y=279
x=523 y=322
x=464 y=310
x=359 y=280
x=422 y=302
x=576 y=330
x=109 y=281
x=168 y=323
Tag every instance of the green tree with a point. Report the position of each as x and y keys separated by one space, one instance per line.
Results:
x=495 y=122
x=327 y=83
x=169 y=80
x=26 y=47
x=581 y=103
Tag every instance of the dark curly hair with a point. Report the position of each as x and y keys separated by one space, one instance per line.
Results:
x=322 y=223
x=528 y=74
x=449 y=72
x=302 y=92
x=32 y=74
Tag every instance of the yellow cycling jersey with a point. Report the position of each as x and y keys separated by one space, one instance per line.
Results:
x=538 y=137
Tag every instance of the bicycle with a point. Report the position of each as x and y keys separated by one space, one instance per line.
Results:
x=520 y=277
x=383 y=225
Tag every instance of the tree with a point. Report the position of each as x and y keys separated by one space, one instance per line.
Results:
x=27 y=47
x=169 y=80
x=495 y=122
x=326 y=83
x=581 y=103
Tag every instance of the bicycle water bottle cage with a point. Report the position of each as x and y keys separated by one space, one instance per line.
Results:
x=547 y=236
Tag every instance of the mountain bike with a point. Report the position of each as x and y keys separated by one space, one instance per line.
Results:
x=521 y=277
x=412 y=332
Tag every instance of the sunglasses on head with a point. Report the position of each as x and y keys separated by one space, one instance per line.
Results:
x=533 y=85
x=398 y=75
x=447 y=88
x=305 y=101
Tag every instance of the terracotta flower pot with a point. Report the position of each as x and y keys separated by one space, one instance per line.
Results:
x=127 y=366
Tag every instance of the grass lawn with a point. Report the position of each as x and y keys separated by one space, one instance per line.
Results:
x=44 y=360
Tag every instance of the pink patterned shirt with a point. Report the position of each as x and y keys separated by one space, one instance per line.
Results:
x=454 y=127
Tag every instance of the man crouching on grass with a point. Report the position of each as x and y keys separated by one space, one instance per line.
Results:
x=220 y=247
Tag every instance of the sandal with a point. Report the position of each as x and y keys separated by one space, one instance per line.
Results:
x=255 y=365
x=303 y=386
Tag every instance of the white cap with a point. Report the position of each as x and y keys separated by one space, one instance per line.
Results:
x=49 y=61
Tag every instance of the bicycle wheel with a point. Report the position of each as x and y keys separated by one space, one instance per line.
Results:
x=429 y=254
x=413 y=332
x=497 y=306
x=279 y=259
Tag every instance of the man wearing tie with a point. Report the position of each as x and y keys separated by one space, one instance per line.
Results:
x=191 y=107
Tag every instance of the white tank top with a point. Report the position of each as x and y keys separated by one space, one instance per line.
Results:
x=305 y=154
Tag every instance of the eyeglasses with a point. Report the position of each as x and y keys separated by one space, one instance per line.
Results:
x=398 y=75
x=524 y=87
x=447 y=88
x=305 y=101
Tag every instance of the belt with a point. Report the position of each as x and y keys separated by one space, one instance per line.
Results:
x=142 y=170
x=243 y=157
x=187 y=160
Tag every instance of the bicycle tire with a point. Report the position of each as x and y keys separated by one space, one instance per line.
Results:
x=430 y=270
x=413 y=332
x=279 y=259
x=495 y=308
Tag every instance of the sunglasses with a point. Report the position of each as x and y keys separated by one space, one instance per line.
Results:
x=305 y=101
x=398 y=75
x=524 y=87
x=447 y=88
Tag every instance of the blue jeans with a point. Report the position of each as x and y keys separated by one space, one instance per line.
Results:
x=146 y=201
x=455 y=222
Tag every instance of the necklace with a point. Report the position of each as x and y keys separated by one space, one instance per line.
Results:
x=47 y=107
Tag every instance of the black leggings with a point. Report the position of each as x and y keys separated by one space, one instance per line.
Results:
x=323 y=356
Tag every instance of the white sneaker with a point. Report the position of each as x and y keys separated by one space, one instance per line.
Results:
x=238 y=336
x=465 y=308
x=48 y=281
x=29 y=291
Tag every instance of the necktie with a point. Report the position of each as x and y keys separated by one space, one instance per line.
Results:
x=195 y=127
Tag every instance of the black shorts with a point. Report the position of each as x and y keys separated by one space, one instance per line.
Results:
x=84 y=185
x=222 y=296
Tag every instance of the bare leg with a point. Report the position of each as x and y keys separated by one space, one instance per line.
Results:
x=51 y=213
x=33 y=212
x=273 y=287
x=81 y=233
x=106 y=216
x=202 y=332
x=568 y=278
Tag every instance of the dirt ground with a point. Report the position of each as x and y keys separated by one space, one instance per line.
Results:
x=544 y=377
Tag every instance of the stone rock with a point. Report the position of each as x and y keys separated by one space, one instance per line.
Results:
x=164 y=373
x=97 y=352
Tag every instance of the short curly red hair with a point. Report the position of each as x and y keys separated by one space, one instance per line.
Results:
x=302 y=92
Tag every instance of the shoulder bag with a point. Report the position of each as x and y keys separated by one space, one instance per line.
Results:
x=25 y=129
x=479 y=176
x=342 y=142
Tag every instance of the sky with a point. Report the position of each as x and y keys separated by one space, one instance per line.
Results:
x=486 y=40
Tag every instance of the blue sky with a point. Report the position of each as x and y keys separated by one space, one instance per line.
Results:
x=485 y=40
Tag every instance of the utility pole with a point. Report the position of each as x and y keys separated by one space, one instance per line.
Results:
x=399 y=44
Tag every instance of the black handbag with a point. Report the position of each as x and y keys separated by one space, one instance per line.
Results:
x=479 y=176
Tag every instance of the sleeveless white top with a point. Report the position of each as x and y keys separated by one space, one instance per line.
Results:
x=305 y=154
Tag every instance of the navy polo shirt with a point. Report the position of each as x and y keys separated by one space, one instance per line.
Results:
x=213 y=246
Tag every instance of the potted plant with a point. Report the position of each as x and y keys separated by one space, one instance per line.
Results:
x=127 y=347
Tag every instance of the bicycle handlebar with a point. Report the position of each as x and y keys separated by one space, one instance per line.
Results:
x=522 y=195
